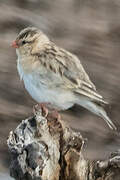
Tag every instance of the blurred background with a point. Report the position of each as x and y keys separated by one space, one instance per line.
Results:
x=91 y=30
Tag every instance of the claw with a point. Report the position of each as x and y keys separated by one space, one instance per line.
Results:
x=41 y=106
x=55 y=115
x=44 y=109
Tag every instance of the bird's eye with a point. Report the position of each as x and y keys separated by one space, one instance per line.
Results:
x=23 y=42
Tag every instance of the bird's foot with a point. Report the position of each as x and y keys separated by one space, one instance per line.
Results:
x=46 y=111
x=55 y=115
x=53 y=118
x=43 y=107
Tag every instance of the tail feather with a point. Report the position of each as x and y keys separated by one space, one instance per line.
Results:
x=98 y=110
x=104 y=115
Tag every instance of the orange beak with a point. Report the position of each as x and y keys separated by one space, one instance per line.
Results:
x=14 y=44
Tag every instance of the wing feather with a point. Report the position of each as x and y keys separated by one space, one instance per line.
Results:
x=69 y=67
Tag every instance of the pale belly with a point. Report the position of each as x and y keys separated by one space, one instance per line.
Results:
x=58 y=98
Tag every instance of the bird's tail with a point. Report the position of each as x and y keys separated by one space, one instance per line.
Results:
x=104 y=115
x=98 y=110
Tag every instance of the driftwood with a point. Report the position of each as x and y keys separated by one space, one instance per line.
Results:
x=44 y=149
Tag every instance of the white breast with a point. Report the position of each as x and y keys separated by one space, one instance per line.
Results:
x=40 y=92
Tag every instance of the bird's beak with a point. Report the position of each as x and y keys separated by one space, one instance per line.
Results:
x=14 y=44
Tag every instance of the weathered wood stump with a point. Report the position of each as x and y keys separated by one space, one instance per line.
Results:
x=45 y=149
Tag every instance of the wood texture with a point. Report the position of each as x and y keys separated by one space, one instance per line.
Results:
x=45 y=149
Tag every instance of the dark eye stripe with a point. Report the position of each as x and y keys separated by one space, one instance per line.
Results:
x=23 y=42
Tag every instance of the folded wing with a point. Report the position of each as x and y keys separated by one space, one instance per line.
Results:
x=70 y=69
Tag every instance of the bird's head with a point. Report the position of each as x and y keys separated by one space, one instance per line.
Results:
x=29 y=41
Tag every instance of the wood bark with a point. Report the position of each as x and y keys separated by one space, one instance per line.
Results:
x=43 y=148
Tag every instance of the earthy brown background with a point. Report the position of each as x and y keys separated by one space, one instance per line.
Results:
x=90 y=29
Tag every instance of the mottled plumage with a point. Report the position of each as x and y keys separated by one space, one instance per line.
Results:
x=52 y=74
x=69 y=67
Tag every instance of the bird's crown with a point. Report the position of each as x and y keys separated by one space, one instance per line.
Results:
x=29 y=31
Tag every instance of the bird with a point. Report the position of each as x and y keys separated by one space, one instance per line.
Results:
x=55 y=76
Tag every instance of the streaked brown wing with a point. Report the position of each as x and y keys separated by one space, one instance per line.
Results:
x=69 y=67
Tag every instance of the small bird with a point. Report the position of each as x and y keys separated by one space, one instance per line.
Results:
x=53 y=75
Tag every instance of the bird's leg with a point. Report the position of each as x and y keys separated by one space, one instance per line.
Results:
x=47 y=111
x=55 y=115
x=53 y=121
x=43 y=107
